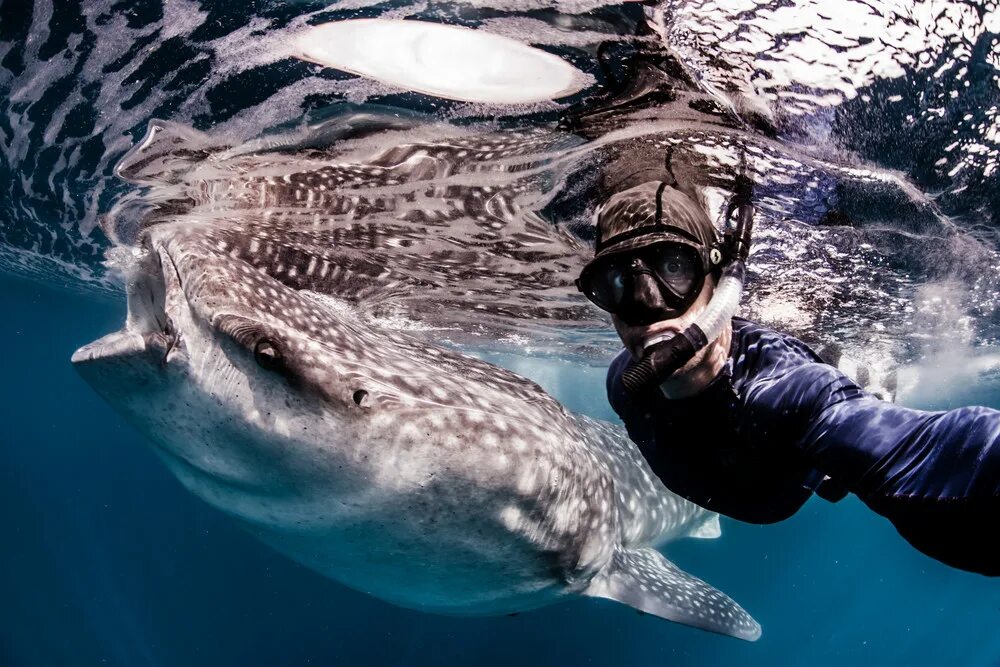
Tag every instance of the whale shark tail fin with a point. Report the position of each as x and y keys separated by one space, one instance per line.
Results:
x=645 y=580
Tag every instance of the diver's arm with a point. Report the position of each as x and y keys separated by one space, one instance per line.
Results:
x=673 y=441
x=935 y=475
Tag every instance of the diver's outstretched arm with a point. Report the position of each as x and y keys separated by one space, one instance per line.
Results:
x=935 y=475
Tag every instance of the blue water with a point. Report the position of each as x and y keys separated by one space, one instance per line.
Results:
x=106 y=560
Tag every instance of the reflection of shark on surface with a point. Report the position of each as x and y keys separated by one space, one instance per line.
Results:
x=449 y=219
x=406 y=470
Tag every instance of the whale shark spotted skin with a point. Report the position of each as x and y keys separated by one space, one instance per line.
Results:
x=422 y=476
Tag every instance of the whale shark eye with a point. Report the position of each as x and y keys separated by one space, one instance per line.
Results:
x=361 y=398
x=267 y=355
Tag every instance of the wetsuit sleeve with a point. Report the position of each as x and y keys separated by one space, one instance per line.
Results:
x=691 y=445
x=935 y=475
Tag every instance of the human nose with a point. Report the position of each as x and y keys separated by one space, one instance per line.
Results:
x=645 y=300
x=645 y=289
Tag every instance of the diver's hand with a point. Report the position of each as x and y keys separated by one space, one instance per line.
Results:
x=659 y=362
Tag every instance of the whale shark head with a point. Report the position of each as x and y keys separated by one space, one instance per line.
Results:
x=230 y=386
x=250 y=380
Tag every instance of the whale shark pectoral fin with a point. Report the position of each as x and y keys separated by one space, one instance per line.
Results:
x=166 y=152
x=645 y=580
x=708 y=529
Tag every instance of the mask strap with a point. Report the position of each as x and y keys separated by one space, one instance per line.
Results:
x=659 y=203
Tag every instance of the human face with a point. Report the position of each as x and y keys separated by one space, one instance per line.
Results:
x=635 y=337
x=703 y=367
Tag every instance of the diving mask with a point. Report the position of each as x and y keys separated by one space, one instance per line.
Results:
x=619 y=282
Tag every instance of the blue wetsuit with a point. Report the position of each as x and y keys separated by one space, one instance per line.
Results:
x=778 y=424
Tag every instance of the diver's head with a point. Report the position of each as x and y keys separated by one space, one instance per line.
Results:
x=657 y=261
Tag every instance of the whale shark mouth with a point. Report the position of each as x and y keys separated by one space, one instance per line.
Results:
x=151 y=280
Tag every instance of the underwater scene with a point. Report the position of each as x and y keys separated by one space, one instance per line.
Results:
x=299 y=370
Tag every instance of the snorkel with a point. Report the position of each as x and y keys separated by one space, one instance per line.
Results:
x=664 y=355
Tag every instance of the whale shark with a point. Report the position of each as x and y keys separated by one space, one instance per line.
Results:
x=397 y=466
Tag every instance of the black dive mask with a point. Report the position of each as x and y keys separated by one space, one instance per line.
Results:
x=649 y=284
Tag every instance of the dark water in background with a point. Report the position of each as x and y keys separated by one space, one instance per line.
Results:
x=107 y=560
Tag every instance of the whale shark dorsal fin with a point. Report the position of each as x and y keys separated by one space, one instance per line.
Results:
x=708 y=529
x=166 y=152
x=646 y=580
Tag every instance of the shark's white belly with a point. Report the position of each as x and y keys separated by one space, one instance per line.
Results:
x=423 y=517
x=463 y=511
x=452 y=538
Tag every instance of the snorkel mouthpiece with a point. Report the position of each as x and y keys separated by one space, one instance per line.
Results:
x=662 y=359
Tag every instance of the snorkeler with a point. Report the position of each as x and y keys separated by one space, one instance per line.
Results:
x=750 y=422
